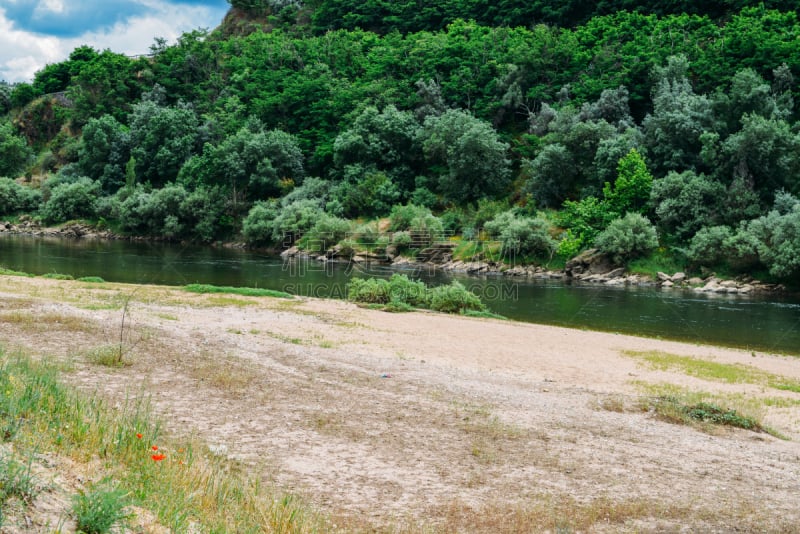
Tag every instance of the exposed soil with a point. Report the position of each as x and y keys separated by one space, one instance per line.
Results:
x=401 y=421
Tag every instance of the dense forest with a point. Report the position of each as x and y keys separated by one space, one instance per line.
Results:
x=663 y=133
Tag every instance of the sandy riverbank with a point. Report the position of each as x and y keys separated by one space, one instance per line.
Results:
x=405 y=420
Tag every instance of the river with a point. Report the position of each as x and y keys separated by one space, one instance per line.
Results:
x=767 y=323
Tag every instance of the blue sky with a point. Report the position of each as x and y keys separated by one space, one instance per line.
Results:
x=34 y=33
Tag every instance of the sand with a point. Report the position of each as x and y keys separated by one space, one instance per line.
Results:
x=417 y=420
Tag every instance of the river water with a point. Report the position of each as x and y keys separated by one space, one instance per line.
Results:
x=761 y=323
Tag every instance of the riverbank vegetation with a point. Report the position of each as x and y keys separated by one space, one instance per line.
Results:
x=137 y=477
x=521 y=131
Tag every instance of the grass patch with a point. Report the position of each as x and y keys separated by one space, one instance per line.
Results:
x=485 y=314
x=108 y=356
x=92 y=279
x=187 y=488
x=718 y=372
x=708 y=411
x=100 y=509
x=658 y=261
x=58 y=276
x=244 y=291
x=9 y=272
x=48 y=321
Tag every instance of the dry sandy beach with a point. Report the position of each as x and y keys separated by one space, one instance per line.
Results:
x=403 y=422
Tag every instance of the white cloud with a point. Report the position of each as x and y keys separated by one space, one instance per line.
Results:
x=23 y=53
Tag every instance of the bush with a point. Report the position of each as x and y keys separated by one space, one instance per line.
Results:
x=72 y=201
x=522 y=235
x=259 y=224
x=294 y=220
x=627 y=238
x=454 y=298
x=402 y=217
x=708 y=245
x=98 y=510
x=687 y=202
x=15 y=197
x=326 y=232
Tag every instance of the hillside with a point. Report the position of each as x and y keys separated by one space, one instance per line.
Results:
x=660 y=135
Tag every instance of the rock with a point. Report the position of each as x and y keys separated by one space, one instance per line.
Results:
x=667 y=284
x=290 y=252
x=663 y=277
x=437 y=253
x=729 y=284
x=616 y=273
x=589 y=262
x=695 y=281
x=678 y=278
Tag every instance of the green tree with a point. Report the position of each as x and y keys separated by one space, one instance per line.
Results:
x=631 y=190
x=470 y=155
x=162 y=140
x=14 y=152
x=104 y=152
x=686 y=202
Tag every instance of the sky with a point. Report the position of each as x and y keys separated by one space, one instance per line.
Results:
x=34 y=33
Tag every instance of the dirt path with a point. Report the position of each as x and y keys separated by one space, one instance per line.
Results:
x=402 y=421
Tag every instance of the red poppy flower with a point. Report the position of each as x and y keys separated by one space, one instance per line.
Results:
x=138 y=436
x=155 y=447
x=158 y=457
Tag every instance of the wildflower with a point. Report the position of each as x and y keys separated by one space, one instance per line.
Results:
x=138 y=436
x=155 y=447
x=158 y=457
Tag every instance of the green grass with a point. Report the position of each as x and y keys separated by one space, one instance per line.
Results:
x=9 y=272
x=658 y=261
x=100 y=509
x=483 y=314
x=715 y=371
x=92 y=279
x=705 y=410
x=186 y=488
x=243 y=291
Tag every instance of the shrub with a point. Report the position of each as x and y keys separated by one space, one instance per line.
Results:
x=100 y=509
x=326 y=232
x=368 y=290
x=708 y=245
x=402 y=240
x=294 y=220
x=15 y=197
x=627 y=238
x=259 y=224
x=72 y=201
x=454 y=298
x=402 y=217
x=522 y=235
x=687 y=202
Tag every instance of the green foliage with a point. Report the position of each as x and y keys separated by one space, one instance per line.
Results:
x=75 y=200
x=105 y=152
x=92 y=279
x=631 y=190
x=326 y=232
x=16 y=480
x=400 y=292
x=708 y=246
x=244 y=291
x=14 y=152
x=162 y=139
x=522 y=236
x=367 y=192
x=15 y=197
x=627 y=238
x=454 y=298
x=99 y=509
x=471 y=154
x=686 y=202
